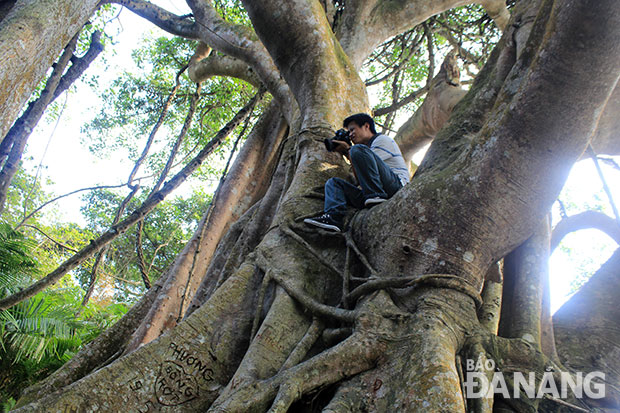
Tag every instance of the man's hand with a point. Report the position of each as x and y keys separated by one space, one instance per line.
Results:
x=341 y=147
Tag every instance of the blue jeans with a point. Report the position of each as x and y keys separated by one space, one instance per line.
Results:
x=375 y=177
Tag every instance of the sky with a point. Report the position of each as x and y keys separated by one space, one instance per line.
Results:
x=65 y=159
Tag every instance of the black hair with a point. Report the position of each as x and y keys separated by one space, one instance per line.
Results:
x=360 y=119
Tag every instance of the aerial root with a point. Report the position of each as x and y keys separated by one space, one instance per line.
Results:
x=351 y=244
x=508 y=356
x=288 y=231
x=261 y=303
x=356 y=354
x=476 y=351
x=304 y=345
x=312 y=305
x=346 y=278
x=287 y=395
x=348 y=398
x=436 y=280
x=335 y=335
x=379 y=284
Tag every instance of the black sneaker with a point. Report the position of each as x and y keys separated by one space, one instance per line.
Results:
x=325 y=221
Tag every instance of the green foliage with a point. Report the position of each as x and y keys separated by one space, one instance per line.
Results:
x=15 y=259
x=25 y=192
x=166 y=229
x=134 y=102
x=232 y=11
x=401 y=65
x=40 y=334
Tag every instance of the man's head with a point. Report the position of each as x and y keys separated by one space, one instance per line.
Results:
x=361 y=127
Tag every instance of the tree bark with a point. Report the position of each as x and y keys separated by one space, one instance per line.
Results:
x=488 y=180
x=32 y=35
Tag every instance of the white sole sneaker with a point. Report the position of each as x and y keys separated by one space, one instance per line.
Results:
x=323 y=225
x=374 y=201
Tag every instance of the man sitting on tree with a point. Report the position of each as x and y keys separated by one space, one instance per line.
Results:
x=377 y=164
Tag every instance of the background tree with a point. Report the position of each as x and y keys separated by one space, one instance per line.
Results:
x=32 y=36
x=278 y=312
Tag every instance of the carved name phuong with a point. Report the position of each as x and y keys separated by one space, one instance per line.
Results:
x=197 y=366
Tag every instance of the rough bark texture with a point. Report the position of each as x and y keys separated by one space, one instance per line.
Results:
x=605 y=140
x=401 y=289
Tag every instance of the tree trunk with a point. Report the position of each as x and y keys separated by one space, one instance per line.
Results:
x=32 y=36
x=244 y=184
x=400 y=290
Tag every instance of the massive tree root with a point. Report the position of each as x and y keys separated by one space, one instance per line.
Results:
x=409 y=284
x=183 y=369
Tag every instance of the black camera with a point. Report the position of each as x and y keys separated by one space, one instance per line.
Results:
x=342 y=135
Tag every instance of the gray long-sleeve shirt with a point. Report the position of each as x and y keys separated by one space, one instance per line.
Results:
x=389 y=152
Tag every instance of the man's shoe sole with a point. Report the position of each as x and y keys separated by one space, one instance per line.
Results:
x=322 y=225
x=374 y=201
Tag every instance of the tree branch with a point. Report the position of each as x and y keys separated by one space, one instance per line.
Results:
x=40 y=207
x=175 y=148
x=222 y=65
x=60 y=244
x=170 y=22
x=406 y=100
x=242 y=43
x=443 y=94
x=14 y=142
x=140 y=256
x=430 y=45
x=147 y=206
x=585 y=220
x=160 y=121
x=101 y=255
x=80 y=64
